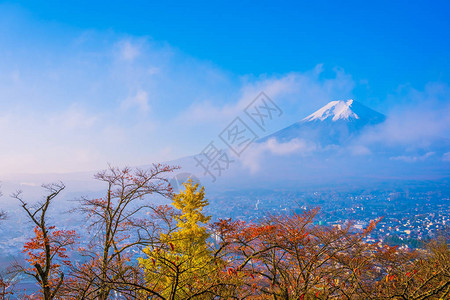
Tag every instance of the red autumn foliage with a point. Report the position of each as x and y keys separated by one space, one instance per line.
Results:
x=286 y=256
x=58 y=240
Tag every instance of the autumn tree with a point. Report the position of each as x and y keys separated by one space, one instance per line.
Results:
x=120 y=222
x=290 y=257
x=46 y=250
x=411 y=274
x=138 y=250
x=6 y=287
x=183 y=264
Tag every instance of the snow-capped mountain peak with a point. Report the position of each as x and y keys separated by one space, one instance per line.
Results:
x=333 y=124
x=336 y=110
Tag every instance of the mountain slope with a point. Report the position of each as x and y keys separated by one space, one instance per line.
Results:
x=335 y=123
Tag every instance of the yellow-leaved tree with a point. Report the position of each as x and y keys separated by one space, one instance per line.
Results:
x=182 y=265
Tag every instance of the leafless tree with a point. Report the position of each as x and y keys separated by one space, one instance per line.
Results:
x=3 y=214
x=121 y=221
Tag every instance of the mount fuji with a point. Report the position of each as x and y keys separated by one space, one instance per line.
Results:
x=333 y=145
x=334 y=124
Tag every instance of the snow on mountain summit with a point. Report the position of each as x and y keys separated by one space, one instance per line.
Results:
x=334 y=123
x=336 y=110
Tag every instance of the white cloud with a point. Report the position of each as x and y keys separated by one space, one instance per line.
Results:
x=139 y=99
x=413 y=158
x=446 y=156
x=298 y=92
x=294 y=145
x=129 y=51
x=416 y=118
x=359 y=150
x=77 y=109
x=74 y=118
x=254 y=156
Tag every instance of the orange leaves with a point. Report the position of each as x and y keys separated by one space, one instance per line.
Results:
x=371 y=226
x=291 y=254
x=57 y=240
x=226 y=227
x=258 y=231
x=46 y=253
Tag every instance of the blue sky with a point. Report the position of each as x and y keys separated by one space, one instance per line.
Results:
x=83 y=83
x=385 y=41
